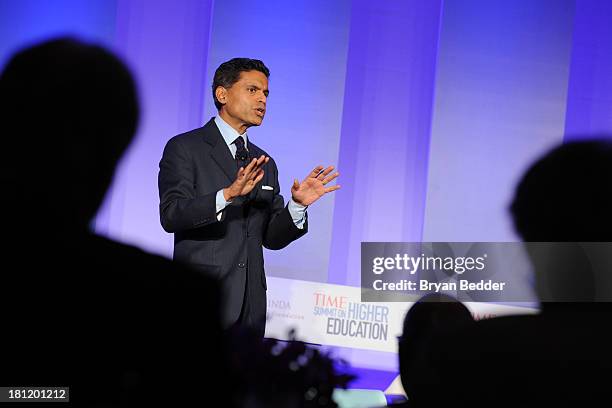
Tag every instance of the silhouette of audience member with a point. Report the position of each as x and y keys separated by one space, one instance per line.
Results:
x=565 y=198
x=560 y=356
x=118 y=326
x=433 y=314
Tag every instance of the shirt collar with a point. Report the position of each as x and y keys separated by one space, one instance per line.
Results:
x=228 y=133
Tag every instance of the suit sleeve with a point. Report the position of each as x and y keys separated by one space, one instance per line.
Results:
x=179 y=208
x=281 y=230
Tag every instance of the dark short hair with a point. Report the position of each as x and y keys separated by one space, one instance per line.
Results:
x=566 y=195
x=228 y=73
x=74 y=107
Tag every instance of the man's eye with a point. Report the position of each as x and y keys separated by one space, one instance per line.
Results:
x=252 y=90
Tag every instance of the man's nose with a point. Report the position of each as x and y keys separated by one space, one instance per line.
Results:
x=262 y=97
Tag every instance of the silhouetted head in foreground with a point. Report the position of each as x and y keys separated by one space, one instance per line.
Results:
x=432 y=314
x=69 y=110
x=566 y=195
x=564 y=201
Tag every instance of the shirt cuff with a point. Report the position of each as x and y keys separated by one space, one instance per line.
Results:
x=298 y=213
x=221 y=203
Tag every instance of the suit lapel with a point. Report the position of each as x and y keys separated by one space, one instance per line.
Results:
x=254 y=151
x=220 y=152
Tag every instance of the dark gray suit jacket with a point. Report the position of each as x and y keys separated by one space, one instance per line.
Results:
x=197 y=164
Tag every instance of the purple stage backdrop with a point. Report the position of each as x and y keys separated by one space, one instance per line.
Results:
x=430 y=109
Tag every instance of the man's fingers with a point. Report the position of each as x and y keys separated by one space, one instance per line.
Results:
x=256 y=165
x=296 y=184
x=249 y=168
x=248 y=173
x=262 y=160
x=316 y=171
x=325 y=172
x=320 y=172
x=330 y=178
x=332 y=188
x=259 y=177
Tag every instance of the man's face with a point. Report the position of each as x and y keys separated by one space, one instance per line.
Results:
x=245 y=101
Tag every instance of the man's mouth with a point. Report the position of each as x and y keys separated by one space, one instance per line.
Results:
x=260 y=111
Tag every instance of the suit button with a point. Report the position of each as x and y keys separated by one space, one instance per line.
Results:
x=241 y=265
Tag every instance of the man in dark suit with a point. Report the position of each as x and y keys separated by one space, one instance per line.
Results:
x=120 y=327
x=220 y=195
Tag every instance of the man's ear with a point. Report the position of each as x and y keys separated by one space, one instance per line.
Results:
x=221 y=94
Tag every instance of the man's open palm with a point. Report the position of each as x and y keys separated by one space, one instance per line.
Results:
x=313 y=186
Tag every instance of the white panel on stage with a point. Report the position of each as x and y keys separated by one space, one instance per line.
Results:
x=334 y=315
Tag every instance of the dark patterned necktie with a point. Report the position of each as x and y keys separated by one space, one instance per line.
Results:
x=242 y=154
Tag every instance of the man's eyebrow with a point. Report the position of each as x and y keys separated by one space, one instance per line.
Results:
x=250 y=85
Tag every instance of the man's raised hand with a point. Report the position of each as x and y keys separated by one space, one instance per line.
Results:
x=246 y=179
x=313 y=186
